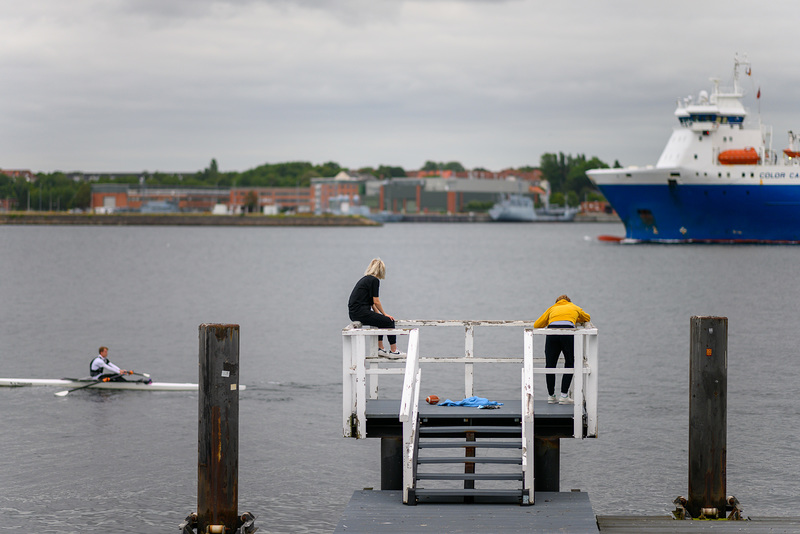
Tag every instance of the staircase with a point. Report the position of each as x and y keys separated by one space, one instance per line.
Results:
x=468 y=463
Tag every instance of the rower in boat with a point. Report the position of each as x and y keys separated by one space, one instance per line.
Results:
x=101 y=368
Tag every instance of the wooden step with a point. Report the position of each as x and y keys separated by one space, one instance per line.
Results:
x=469 y=476
x=420 y=492
x=453 y=444
x=469 y=459
x=514 y=430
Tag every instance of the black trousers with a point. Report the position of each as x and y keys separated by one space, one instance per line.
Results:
x=117 y=378
x=553 y=347
x=371 y=318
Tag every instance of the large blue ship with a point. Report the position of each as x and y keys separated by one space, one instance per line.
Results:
x=717 y=180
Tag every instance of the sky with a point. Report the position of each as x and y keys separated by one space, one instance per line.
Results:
x=167 y=85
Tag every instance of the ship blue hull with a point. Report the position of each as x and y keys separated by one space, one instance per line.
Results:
x=708 y=213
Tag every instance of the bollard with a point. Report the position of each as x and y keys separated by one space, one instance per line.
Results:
x=708 y=393
x=218 y=435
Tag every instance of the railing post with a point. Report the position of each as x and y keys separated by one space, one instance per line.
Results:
x=708 y=394
x=579 y=383
x=409 y=413
x=360 y=354
x=218 y=434
x=592 y=384
x=348 y=392
x=469 y=370
x=527 y=417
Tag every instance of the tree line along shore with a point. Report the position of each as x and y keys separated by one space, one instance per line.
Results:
x=64 y=191
x=178 y=219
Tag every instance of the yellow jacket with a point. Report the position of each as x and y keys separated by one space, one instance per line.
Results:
x=563 y=310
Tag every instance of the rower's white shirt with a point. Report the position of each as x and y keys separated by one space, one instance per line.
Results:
x=107 y=366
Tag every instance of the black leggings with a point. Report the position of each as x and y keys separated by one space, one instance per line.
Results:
x=371 y=318
x=553 y=347
x=117 y=378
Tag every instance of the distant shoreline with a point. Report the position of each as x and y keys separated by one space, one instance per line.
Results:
x=180 y=219
x=201 y=219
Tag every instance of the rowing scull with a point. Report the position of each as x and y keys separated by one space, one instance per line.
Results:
x=77 y=382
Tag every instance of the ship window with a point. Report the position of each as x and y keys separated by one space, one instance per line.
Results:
x=674 y=174
x=695 y=156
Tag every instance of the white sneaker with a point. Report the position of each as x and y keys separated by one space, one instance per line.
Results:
x=551 y=399
x=565 y=400
x=395 y=355
x=382 y=352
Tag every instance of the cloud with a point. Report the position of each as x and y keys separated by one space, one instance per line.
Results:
x=169 y=85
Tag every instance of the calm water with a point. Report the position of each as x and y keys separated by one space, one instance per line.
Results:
x=126 y=462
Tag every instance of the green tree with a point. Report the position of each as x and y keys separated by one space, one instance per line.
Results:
x=572 y=199
x=83 y=197
x=430 y=166
x=567 y=173
x=387 y=171
x=453 y=166
x=251 y=202
x=557 y=199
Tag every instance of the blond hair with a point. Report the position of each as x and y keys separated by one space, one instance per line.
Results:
x=563 y=297
x=376 y=268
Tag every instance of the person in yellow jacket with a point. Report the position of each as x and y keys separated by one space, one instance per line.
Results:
x=562 y=314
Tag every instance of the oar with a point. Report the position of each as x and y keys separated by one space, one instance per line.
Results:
x=94 y=383
x=140 y=374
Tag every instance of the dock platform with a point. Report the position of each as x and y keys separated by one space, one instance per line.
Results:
x=379 y=512
x=383 y=512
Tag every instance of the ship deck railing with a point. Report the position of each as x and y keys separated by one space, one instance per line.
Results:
x=362 y=369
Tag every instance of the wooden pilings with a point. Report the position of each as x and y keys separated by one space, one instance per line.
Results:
x=708 y=394
x=547 y=464
x=392 y=463
x=218 y=429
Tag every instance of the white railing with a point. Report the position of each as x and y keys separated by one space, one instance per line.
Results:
x=360 y=346
x=409 y=413
x=584 y=387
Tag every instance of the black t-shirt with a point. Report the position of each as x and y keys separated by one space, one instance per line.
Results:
x=361 y=298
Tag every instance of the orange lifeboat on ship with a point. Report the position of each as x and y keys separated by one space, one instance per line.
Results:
x=747 y=156
x=791 y=153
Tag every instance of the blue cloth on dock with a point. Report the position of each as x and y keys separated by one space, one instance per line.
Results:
x=474 y=402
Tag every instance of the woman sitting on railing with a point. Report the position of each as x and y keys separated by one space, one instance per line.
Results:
x=365 y=306
x=562 y=314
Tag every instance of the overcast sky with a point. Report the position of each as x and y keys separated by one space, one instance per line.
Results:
x=166 y=85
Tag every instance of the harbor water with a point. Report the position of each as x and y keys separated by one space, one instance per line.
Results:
x=106 y=461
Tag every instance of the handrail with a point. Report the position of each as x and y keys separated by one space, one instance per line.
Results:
x=410 y=396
